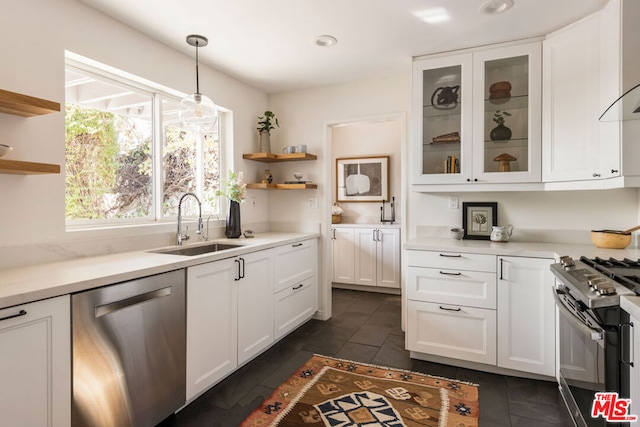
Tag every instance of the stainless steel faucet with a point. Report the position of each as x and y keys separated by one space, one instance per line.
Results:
x=179 y=236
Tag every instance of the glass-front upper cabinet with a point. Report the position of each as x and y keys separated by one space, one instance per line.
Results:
x=507 y=126
x=442 y=111
x=477 y=118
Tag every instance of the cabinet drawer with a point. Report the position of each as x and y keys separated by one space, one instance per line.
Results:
x=452 y=260
x=295 y=262
x=294 y=305
x=464 y=333
x=468 y=288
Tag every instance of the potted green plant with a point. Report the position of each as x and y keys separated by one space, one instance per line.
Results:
x=265 y=124
x=500 y=132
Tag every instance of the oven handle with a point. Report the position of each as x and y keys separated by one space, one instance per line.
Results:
x=595 y=334
x=630 y=344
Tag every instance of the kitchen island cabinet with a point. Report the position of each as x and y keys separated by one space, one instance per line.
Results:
x=35 y=364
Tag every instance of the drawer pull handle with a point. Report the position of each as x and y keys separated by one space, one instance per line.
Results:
x=296 y=245
x=298 y=287
x=451 y=256
x=20 y=313
x=451 y=274
x=450 y=309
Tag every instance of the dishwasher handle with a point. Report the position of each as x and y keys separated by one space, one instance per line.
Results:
x=103 y=310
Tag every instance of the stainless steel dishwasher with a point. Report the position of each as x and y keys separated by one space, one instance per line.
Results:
x=129 y=352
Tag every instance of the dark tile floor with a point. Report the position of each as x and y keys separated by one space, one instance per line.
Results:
x=365 y=327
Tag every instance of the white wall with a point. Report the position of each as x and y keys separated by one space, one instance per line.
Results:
x=362 y=139
x=35 y=34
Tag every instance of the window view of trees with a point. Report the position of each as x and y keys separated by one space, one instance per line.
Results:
x=108 y=165
x=110 y=151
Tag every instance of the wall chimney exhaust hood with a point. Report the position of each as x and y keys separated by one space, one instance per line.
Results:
x=627 y=107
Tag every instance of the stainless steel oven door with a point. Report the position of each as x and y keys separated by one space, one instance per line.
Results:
x=581 y=359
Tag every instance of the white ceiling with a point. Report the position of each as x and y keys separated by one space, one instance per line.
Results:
x=270 y=44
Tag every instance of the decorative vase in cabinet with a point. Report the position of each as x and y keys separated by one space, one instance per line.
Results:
x=500 y=133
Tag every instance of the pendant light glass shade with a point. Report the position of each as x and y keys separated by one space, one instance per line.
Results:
x=197 y=112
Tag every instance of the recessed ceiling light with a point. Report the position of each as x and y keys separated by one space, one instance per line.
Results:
x=493 y=7
x=325 y=41
x=434 y=15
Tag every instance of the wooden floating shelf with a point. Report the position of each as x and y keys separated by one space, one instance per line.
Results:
x=24 y=105
x=260 y=186
x=16 y=167
x=273 y=158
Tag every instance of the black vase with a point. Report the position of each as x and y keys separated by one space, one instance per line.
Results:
x=232 y=228
x=500 y=133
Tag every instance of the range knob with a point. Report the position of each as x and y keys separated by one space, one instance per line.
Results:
x=567 y=262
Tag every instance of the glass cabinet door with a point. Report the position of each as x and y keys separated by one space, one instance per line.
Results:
x=441 y=118
x=507 y=88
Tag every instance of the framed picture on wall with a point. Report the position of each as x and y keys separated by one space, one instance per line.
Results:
x=478 y=219
x=362 y=179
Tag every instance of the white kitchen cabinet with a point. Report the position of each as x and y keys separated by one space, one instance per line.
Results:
x=255 y=310
x=448 y=330
x=571 y=85
x=377 y=257
x=453 y=113
x=526 y=315
x=35 y=364
x=482 y=309
x=343 y=255
x=229 y=316
x=587 y=66
x=295 y=305
x=366 y=256
x=294 y=263
x=451 y=308
x=212 y=325
x=296 y=291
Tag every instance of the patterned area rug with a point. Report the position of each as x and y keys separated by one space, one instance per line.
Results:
x=340 y=393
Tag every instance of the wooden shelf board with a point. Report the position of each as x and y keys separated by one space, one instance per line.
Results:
x=296 y=186
x=272 y=158
x=24 y=105
x=260 y=186
x=16 y=167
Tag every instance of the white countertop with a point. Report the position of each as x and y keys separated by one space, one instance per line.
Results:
x=31 y=283
x=515 y=248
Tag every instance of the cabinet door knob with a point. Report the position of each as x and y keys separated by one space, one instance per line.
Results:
x=596 y=175
x=614 y=170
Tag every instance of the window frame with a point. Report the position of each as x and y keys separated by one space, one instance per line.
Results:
x=157 y=93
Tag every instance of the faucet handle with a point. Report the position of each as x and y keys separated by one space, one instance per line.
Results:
x=186 y=236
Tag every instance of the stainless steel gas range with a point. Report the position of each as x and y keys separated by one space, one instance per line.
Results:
x=593 y=351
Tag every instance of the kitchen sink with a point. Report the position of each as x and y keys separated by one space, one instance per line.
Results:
x=197 y=250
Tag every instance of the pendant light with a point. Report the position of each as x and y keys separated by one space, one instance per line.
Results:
x=197 y=112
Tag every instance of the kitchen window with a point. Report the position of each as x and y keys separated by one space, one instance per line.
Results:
x=128 y=158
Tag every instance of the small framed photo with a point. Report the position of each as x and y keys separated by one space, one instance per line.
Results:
x=478 y=219
x=362 y=179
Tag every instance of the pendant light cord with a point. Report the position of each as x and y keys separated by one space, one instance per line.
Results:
x=197 y=72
